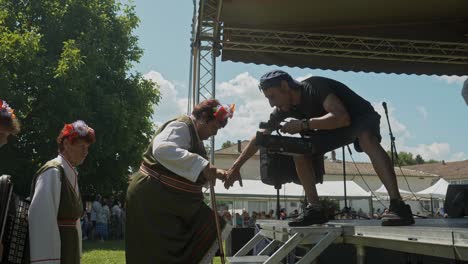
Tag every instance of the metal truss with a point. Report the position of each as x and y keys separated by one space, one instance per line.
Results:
x=205 y=49
x=302 y=43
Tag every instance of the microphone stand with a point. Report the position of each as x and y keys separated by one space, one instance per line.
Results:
x=393 y=151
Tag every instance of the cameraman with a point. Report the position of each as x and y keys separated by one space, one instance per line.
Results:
x=342 y=117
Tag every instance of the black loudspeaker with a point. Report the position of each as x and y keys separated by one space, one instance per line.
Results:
x=456 y=200
x=240 y=237
x=277 y=169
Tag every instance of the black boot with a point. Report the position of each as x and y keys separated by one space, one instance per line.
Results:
x=399 y=214
x=312 y=216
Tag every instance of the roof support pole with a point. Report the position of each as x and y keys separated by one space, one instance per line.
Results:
x=205 y=49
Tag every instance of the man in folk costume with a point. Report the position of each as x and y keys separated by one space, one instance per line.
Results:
x=167 y=220
x=9 y=125
x=56 y=207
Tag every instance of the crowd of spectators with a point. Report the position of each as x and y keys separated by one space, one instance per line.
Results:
x=103 y=220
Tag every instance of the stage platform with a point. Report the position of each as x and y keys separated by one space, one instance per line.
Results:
x=442 y=238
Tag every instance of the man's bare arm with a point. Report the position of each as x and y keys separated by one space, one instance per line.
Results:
x=246 y=154
x=336 y=117
x=233 y=174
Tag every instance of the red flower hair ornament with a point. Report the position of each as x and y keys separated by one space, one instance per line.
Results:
x=77 y=130
x=6 y=111
x=223 y=111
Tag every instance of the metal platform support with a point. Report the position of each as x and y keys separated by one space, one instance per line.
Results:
x=205 y=48
x=284 y=241
x=360 y=254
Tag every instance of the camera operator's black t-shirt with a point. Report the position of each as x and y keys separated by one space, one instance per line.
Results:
x=314 y=90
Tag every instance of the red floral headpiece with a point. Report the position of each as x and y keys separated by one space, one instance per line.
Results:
x=6 y=110
x=222 y=112
x=77 y=129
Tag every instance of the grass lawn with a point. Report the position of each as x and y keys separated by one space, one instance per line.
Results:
x=108 y=252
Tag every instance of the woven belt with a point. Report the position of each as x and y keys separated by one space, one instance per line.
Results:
x=171 y=181
x=66 y=222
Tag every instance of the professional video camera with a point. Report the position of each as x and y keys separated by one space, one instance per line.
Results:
x=313 y=142
x=283 y=144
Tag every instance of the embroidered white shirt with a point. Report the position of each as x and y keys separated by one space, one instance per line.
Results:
x=170 y=148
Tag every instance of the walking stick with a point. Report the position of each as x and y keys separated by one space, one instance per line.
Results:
x=218 y=228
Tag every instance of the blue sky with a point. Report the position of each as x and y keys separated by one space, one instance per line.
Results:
x=427 y=113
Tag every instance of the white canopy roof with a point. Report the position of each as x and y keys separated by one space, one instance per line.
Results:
x=382 y=191
x=438 y=190
x=259 y=189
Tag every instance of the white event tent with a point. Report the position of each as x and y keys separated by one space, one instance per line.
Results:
x=382 y=192
x=438 y=190
x=257 y=196
x=255 y=188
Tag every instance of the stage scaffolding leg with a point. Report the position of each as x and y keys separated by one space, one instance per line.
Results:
x=360 y=254
x=205 y=48
x=323 y=244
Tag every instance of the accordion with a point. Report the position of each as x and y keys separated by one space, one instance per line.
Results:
x=13 y=223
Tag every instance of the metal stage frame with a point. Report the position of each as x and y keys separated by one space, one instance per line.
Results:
x=210 y=37
x=445 y=238
x=205 y=47
x=360 y=47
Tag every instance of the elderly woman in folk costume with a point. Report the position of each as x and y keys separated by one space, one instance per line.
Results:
x=9 y=125
x=166 y=218
x=56 y=207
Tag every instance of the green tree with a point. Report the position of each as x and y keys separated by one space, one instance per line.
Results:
x=419 y=159
x=227 y=144
x=406 y=158
x=63 y=60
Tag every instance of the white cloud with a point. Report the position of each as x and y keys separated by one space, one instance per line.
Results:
x=458 y=156
x=251 y=107
x=436 y=151
x=422 y=110
x=452 y=79
x=399 y=130
x=243 y=86
x=171 y=104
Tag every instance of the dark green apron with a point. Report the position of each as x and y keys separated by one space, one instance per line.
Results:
x=70 y=208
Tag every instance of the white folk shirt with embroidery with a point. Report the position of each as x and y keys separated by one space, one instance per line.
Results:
x=44 y=236
x=170 y=148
